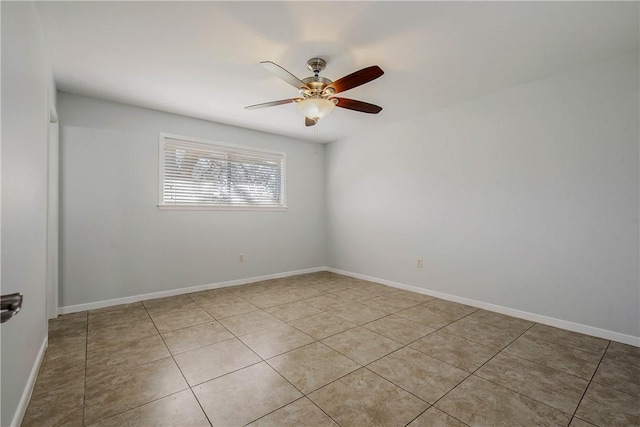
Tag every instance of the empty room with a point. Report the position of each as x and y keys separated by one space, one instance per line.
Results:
x=354 y=214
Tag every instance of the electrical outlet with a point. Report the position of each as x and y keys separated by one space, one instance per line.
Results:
x=419 y=265
x=241 y=258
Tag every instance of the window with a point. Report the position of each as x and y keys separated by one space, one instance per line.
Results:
x=201 y=174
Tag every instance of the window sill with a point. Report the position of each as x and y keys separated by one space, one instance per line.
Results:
x=219 y=208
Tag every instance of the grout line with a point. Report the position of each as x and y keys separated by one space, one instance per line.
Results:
x=542 y=365
x=473 y=372
x=178 y=366
x=262 y=360
x=148 y=362
x=86 y=361
x=570 y=346
x=589 y=384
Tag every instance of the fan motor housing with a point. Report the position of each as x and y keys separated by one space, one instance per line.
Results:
x=316 y=82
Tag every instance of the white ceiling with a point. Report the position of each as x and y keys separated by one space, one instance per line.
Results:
x=201 y=59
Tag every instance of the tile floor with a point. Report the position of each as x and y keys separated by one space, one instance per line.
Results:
x=325 y=350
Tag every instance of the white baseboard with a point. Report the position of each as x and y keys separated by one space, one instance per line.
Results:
x=179 y=291
x=28 y=388
x=538 y=318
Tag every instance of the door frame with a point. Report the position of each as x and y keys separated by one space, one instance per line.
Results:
x=53 y=189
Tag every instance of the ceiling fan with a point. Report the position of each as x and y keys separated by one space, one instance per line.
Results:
x=317 y=93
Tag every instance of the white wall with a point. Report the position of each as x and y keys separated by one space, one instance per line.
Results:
x=26 y=81
x=115 y=241
x=527 y=199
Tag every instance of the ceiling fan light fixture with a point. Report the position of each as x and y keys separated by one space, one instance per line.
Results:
x=316 y=108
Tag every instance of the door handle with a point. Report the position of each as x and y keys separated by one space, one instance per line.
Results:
x=10 y=305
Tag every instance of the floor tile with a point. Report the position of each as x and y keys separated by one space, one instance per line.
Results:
x=322 y=325
x=76 y=315
x=399 y=329
x=555 y=388
x=214 y=360
x=247 y=291
x=327 y=286
x=197 y=336
x=247 y=323
x=623 y=353
x=359 y=294
x=327 y=302
x=303 y=293
x=65 y=345
x=568 y=338
x=116 y=307
x=358 y=313
x=179 y=409
x=604 y=406
x=228 y=308
x=244 y=396
x=431 y=316
x=271 y=342
x=422 y=375
x=115 y=360
x=361 y=345
x=451 y=307
x=110 y=335
x=312 y=366
x=501 y=320
x=293 y=311
x=547 y=353
x=179 y=320
x=115 y=317
x=577 y=422
x=396 y=301
x=211 y=296
x=51 y=407
x=482 y=333
x=376 y=287
x=362 y=398
x=274 y=298
x=67 y=326
x=454 y=350
x=302 y=412
x=58 y=372
x=433 y=417
x=479 y=402
x=124 y=390
x=621 y=376
x=123 y=355
x=168 y=305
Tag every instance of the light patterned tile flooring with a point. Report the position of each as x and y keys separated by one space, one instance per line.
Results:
x=323 y=349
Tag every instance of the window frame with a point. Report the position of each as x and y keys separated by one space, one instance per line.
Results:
x=163 y=136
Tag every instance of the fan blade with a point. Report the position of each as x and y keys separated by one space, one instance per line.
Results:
x=363 y=107
x=272 y=103
x=356 y=79
x=284 y=74
x=309 y=122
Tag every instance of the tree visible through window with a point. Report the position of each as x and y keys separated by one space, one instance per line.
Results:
x=199 y=173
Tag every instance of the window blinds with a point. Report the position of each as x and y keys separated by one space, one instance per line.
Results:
x=204 y=174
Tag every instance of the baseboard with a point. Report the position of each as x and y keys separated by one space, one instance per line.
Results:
x=538 y=318
x=179 y=291
x=28 y=388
